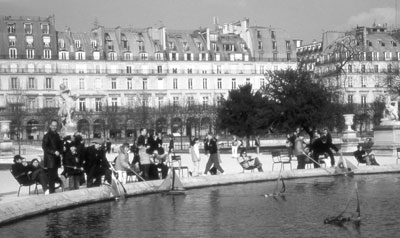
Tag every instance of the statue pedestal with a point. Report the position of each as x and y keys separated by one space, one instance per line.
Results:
x=387 y=138
x=6 y=144
x=350 y=141
x=349 y=138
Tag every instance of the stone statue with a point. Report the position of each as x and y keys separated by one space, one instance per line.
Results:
x=68 y=104
x=390 y=113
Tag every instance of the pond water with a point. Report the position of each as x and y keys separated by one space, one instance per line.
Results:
x=233 y=211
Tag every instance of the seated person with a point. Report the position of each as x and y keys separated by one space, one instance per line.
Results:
x=29 y=174
x=249 y=163
x=160 y=157
x=73 y=167
x=363 y=157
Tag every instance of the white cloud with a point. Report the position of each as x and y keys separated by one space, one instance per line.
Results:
x=374 y=15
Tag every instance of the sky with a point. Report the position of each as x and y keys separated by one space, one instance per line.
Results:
x=302 y=19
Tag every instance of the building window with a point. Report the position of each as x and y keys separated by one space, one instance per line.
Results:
x=82 y=84
x=127 y=56
x=247 y=80
x=145 y=83
x=190 y=83
x=274 y=45
x=205 y=102
x=80 y=55
x=28 y=28
x=260 y=45
x=82 y=104
x=48 y=102
x=350 y=99
x=31 y=83
x=129 y=83
x=114 y=104
x=159 y=56
x=49 y=83
x=77 y=44
x=189 y=71
x=376 y=68
x=175 y=101
x=128 y=69
x=389 y=68
x=190 y=101
x=288 y=56
x=288 y=46
x=274 y=56
x=160 y=102
x=31 y=103
x=262 y=82
x=143 y=56
x=363 y=82
x=113 y=83
x=375 y=56
x=64 y=55
x=233 y=83
x=11 y=28
x=363 y=101
x=12 y=52
x=350 y=68
x=219 y=100
x=159 y=69
x=145 y=102
x=14 y=83
x=204 y=83
x=219 y=83
x=175 y=83
x=141 y=45
x=363 y=68
x=30 y=53
x=11 y=40
x=47 y=54
x=98 y=105
x=350 y=82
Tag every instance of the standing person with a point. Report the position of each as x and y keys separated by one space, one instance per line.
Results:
x=108 y=145
x=235 y=145
x=73 y=167
x=96 y=164
x=298 y=151
x=257 y=144
x=122 y=165
x=52 y=146
x=171 y=145
x=144 y=156
x=195 y=153
x=213 y=151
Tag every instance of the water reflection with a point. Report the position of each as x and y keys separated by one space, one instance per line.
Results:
x=232 y=211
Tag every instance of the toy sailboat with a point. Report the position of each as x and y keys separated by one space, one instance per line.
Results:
x=278 y=192
x=172 y=185
x=344 y=166
x=341 y=219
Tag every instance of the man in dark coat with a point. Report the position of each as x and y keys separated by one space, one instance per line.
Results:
x=322 y=146
x=52 y=146
x=96 y=165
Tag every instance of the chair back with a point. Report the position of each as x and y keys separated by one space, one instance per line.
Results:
x=22 y=179
x=276 y=156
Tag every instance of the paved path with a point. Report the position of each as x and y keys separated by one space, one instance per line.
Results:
x=9 y=186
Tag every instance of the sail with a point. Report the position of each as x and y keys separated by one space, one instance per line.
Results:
x=171 y=182
x=344 y=166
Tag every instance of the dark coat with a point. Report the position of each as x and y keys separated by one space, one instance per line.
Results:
x=50 y=144
x=95 y=158
x=212 y=146
x=320 y=147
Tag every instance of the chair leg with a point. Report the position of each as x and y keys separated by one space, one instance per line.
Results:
x=19 y=189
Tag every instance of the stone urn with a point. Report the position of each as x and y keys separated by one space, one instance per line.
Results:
x=348 y=121
x=5 y=130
